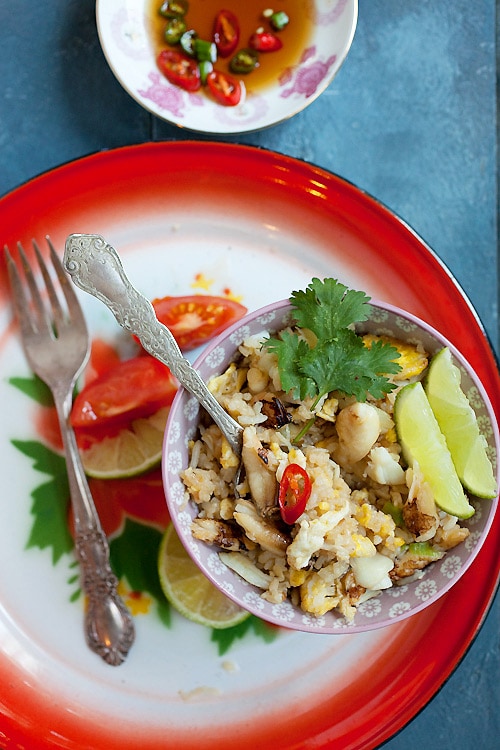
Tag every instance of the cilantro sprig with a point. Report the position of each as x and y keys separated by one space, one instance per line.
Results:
x=325 y=354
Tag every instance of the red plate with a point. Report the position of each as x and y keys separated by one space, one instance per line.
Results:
x=260 y=222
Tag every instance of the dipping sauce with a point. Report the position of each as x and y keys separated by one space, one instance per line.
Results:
x=201 y=17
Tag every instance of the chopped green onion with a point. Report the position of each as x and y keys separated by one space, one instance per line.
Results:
x=204 y=50
x=279 y=20
x=205 y=67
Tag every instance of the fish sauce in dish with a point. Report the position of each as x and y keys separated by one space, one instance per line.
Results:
x=201 y=15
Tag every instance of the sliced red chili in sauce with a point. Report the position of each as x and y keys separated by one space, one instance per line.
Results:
x=294 y=492
x=265 y=41
x=226 y=32
x=224 y=88
x=179 y=70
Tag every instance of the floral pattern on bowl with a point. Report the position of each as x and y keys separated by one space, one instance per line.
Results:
x=393 y=604
x=125 y=39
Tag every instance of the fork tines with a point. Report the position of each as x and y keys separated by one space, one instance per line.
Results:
x=32 y=312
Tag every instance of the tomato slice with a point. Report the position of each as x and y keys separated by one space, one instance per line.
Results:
x=134 y=388
x=226 y=32
x=224 y=88
x=179 y=69
x=265 y=41
x=195 y=318
x=103 y=357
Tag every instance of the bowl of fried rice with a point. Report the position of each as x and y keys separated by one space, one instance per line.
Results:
x=366 y=545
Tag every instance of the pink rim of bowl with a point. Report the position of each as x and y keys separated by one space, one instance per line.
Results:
x=392 y=605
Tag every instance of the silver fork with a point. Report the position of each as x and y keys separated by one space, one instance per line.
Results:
x=56 y=343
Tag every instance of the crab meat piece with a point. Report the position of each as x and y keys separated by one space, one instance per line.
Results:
x=261 y=478
x=419 y=511
x=246 y=569
x=358 y=427
x=372 y=572
x=220 y=533
x=384 y=467
x=259 y=531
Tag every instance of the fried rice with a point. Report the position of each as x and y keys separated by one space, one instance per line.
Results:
x=369 y=523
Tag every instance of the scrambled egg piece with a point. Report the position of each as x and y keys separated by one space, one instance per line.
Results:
x=230 y=381
x=311 y=535
x=412 y=361
x=318 y=595
x=375 y=520
x=228 y=459
x=363 y=546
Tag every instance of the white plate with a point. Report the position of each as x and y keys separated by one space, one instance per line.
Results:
x=126 y=39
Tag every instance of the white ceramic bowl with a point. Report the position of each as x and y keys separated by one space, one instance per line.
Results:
x=392 y=605
x=126 y=39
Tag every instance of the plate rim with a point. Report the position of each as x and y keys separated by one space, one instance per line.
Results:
x=267 y=153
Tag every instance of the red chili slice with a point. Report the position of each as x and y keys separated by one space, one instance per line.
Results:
x=226 y=32
x=224 y=88
x=265 y=41
x=179 y=69
x=294 y=492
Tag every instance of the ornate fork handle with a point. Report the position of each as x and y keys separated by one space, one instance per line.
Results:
x=96 y=268
x=109 y=628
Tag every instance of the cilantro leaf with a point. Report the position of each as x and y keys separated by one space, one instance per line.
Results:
x=347 y=365
x=327 y=307
x=291 y=350
x=335 y=359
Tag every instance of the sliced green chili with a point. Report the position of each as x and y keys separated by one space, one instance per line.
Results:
x=174 y=30
x=244 y=61
x=187 y=42
x=174 y=8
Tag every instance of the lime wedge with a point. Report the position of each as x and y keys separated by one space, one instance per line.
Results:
x=134 y=450
x=458 y=423
x=190 y=591
x=423 y=442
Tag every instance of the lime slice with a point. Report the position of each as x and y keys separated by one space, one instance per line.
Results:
x=134 y=450
x=190 y=591
x=458 y=423
x=423 y=442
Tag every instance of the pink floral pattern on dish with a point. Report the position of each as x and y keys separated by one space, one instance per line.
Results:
x=332 y=15
x=306 y=78
x=169 y=98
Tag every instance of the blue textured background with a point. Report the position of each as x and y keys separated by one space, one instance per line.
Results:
x=411 y=119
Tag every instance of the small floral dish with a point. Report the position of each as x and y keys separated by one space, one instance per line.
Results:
x=309 y=52
x=393 y=603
